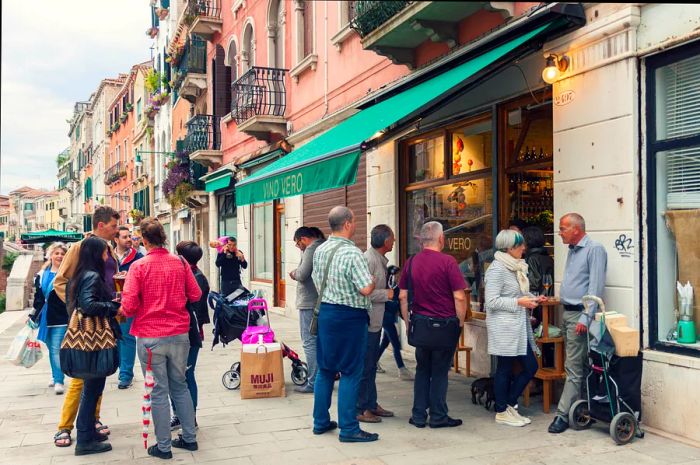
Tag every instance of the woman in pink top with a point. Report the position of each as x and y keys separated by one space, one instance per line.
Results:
x=156 y=292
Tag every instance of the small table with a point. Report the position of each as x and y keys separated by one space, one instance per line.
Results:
x=548 y=374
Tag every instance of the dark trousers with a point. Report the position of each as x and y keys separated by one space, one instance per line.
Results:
x=228 y=287
x=367 y=397
x=430 y=385
x=507 y=388
x=341 y=346
x=391 y=336
x=85 y=424
x=189 y=377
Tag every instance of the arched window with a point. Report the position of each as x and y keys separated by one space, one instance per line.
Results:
x=248 y=51
x=275 y=32
x=232 y=60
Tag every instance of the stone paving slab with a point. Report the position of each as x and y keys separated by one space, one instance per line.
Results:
x=278 y=431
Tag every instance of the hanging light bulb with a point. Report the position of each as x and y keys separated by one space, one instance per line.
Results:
x=554 y=66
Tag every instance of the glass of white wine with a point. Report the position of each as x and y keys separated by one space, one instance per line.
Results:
x=547 y=283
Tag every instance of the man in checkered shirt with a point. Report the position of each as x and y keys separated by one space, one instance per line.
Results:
x=342 y=326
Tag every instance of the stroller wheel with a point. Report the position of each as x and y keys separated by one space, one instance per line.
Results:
x=236 y=367
x=622 y=427
x=231 y=380
x=579 y=416
x=300 y=375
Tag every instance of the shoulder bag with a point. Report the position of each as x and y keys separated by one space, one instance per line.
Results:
x=313 y=328
x=89 y=349
x=429 y=332
x=193 y=331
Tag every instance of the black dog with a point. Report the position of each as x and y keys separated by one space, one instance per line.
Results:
x=481 y=387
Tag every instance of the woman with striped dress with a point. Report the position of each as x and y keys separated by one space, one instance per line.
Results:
x=510 y=338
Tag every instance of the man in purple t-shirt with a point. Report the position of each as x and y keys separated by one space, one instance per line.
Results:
x=438 y=291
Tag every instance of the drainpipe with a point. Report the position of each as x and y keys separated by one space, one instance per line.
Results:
x=325 y=59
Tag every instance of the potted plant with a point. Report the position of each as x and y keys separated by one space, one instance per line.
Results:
x=152 y=32
x=124 y=116
x=129 y=106
x=136 y=215
x=162 y=13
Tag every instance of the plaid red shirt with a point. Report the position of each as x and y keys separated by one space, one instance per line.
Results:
x=156 y=290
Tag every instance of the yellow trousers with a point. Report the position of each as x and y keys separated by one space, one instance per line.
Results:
x=71 y=402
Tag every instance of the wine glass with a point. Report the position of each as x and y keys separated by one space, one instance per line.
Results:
x=547 y=283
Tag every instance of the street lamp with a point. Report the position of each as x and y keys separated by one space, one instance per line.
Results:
x=554 y=66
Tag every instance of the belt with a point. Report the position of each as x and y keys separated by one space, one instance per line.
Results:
x=573 y=308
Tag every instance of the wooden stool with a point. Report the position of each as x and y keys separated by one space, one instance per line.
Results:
x=462 y=348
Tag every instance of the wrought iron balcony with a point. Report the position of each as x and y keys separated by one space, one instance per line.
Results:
x=191 y=72
x=258 y=102
x=371 y=14
x=205 y=16
x=203 y=140
x=115 y=172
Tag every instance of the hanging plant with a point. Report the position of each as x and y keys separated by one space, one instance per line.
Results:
x=152 y=80
x=129 y=106
x=136 y=215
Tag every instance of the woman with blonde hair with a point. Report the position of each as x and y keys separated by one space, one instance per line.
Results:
x=50 y=312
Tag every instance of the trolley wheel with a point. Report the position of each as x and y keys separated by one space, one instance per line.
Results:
x=300 y=375
x=236 y=367
x=231 y=380
x=579 y=415
x=622 y=427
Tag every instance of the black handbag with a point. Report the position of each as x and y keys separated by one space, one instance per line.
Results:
x=430 y=332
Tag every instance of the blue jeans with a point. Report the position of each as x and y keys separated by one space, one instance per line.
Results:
x=308 y=341
x=391 y=336
x=341 y=345
x=506 y=388
x=367 y=396
x=85 y=424
x=127 y=353
x=169 y=363
x=53 y=342
x=189 y=377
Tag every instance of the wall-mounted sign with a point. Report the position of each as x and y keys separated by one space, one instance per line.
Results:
x=564 y=98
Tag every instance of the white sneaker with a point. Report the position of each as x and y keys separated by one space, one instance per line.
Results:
x=507 y=418
x=58 y=389
x=516 y=414
x=406 y=374
x=380 y=369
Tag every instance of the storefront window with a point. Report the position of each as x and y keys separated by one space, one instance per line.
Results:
x=263 y=238
x=471 y=148
x=465 y=210
x=426 y=159
x=674 y=193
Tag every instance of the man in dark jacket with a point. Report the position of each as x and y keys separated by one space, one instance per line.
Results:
x=230 y=262
x=127 y=255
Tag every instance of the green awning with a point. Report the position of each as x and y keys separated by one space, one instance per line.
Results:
x=50 y=235
x=331 y=159
x=220 y=179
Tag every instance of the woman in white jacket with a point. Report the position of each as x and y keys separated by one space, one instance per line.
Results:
x=510 y=338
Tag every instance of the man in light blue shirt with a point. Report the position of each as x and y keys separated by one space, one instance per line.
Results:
x=584 y=274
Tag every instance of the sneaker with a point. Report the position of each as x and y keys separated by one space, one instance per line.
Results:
x=507 y=418
x=406 y=374
x=124 y=384
x=52 y=384
x=305 y=389
x=58 y=389
x=155 y=452
x=514 y=412
x=175 y=424
x=92 y=448
x=380 y=369
x=180 y=443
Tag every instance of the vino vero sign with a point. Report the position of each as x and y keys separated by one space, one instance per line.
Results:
x=283 y=178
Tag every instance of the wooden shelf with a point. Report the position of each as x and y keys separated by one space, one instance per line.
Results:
x=549 y=340
x=546 y=165
x=549 y=374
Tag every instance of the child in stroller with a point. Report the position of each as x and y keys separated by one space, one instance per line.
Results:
x=232 y=316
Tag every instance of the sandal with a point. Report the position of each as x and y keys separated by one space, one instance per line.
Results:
x=102 y=429
x=64 y=437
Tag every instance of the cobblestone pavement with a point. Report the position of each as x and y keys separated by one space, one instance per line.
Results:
x=278 y=431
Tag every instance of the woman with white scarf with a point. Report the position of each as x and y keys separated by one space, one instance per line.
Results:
x=510 y=338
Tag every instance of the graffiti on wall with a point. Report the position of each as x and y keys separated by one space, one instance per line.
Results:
x=623 y=245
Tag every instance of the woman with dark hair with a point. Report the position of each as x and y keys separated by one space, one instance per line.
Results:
x=156 y=292
x=199 y=316
x=88 y=294
x=538 y=260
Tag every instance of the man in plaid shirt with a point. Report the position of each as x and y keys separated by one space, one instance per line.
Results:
x=342 y=326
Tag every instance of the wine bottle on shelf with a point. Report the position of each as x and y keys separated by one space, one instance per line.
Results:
x=527 y=153
x=542 y=155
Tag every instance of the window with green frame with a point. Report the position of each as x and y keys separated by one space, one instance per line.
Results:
x=87 y=188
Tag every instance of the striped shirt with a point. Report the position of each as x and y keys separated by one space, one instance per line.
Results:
x=348 y=273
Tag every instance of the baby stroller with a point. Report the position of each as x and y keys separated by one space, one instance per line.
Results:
x=612 y=388
x=232 y=318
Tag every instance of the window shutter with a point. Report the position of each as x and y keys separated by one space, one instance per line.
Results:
x=683 y=178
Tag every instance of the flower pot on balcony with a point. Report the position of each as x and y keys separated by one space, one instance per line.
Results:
x=162 y=13
x=123 y=117
x=152 y=32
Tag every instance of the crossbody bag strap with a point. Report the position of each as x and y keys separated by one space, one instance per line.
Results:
x=409 y=278
x=325 y=277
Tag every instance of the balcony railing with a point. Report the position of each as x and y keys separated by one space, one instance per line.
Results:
x=260 y=91
x=115 y=172
x=207 y=8
x=371 y=14
x=203 y=133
